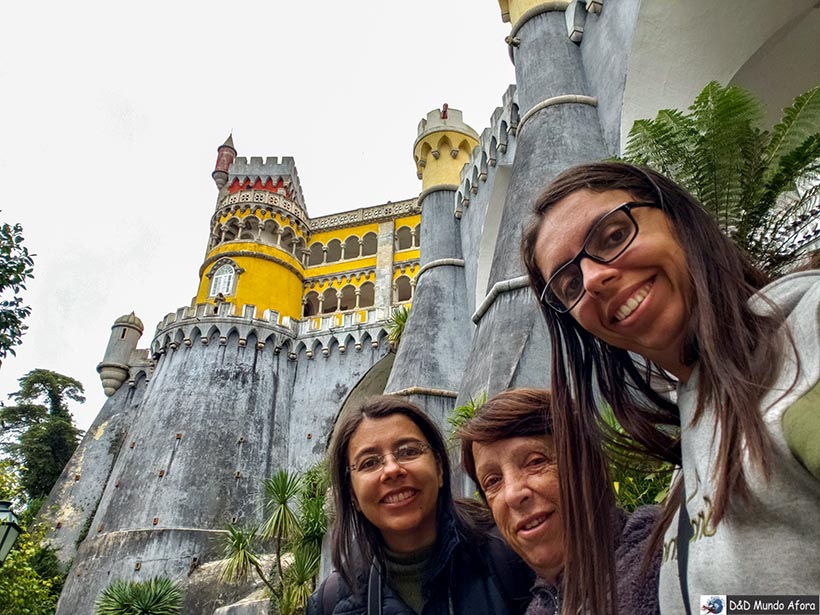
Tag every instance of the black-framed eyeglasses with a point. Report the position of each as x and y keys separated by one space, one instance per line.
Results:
x=606 y=241
x=403 y=454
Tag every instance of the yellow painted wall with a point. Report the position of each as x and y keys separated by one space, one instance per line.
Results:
x=511 y=10
x=343 y=233
x=444 y=170
x=264 y=283
x=406 y=255
x=341 y=266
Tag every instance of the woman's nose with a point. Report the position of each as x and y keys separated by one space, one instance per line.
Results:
x=391 y=467
x=516 y=491
x=597 y=276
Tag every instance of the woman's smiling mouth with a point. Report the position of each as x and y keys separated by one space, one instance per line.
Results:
x=634 y=301
x=398 y=497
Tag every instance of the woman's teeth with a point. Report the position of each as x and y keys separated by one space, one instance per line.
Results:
x=633 y=302
x=398 y=497
x=534 y=523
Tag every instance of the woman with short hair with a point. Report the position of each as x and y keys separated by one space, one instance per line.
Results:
x=508 y=450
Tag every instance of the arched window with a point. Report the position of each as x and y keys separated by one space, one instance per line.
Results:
x=369 y=244
x=330 y=301
x=368 y=295
x=222 y=280
x=352 y=247
x=348 y=298
x=417 y=236
x=404 y=291
x=403 y=238
x=311 y=304
x=334 y=251
x=316 y=255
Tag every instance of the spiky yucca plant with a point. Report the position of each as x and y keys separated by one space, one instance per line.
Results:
x=281 y=523
x=762 y=186
x=396 y=324
x=157 y=596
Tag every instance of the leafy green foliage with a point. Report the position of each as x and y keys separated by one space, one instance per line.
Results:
x=464 y=413
x=302 y=534
x=637 y=480
x=157 y=596
x=396 y=324
x=31 y=578
x=761 y=186
x=16 y=267
x=39 y=431
x=281 y=521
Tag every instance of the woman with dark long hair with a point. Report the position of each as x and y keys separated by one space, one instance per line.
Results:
x=643 y=293
x=401 y=545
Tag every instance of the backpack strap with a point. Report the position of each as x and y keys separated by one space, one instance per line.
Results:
x=374 y=591
x=329 y=594
x=684 y=536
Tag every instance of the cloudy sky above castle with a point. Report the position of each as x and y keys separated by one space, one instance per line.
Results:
x=111 y=114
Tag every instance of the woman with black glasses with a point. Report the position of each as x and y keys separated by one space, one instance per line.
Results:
x=400 y=544
x=643 y=293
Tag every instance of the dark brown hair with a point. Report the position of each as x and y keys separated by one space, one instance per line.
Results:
x=510 y=414
x=736 y=349
x=355 y=542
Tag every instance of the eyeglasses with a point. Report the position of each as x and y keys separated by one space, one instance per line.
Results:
x=402 y=455
x=606 y=241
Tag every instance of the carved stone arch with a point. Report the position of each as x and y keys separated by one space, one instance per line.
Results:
x=329 y=300
x=310 y=304
x=230 y=229
x=367 y=294
x=502 y=137
x=515 y=118
x=443 y=147
x=287 y=240
x=224 y=276
x=492 y=158
x=404 y=238
x=482 y=167
x=251 y=230
x=365 y=340
x=349 y=341
x=381 y=337
x=348 y=298
x=334 y=250
x=463 y=146
x=139 y=377
x=195 y=334
x=403 y=289
x=300 y=351
x=352 y=247
x=316 y=253
x=370 y=243
x=474 y=181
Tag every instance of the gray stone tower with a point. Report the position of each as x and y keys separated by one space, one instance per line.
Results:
x=430 y=359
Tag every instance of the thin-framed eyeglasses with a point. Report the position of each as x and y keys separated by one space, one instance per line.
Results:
x=605 y=241
x=405 y=453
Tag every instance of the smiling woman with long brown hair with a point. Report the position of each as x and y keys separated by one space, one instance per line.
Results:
x=640 y=288
x=401 y=545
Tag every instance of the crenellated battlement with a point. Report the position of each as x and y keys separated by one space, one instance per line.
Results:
x=308 y=337
x=493 y=144
x=269 y=169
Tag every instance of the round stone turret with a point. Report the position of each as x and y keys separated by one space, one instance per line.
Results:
x=226 y=154
x=442 y=147
x=113 y=370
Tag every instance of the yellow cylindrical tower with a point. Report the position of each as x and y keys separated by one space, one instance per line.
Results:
x=442 y=147
x=259 y=233
x=513 y=10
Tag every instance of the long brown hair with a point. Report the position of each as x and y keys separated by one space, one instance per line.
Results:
x=736 y=350
x=355 y=541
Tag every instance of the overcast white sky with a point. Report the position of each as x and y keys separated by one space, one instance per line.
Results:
x=111 y=113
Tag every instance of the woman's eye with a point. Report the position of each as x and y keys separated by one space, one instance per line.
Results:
x=569 y=284
x=611 y=237
x=368 y=463
x=407 y=452
x=491 y=484
x=537 y=461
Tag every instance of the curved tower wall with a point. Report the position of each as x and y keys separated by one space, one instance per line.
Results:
x=430 y=359
x=558 y=127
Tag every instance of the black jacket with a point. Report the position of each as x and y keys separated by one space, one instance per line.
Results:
x=485 y=579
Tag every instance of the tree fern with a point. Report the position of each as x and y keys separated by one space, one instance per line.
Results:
x=760 y=186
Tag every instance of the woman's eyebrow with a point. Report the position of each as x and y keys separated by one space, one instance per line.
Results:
x=368 y=450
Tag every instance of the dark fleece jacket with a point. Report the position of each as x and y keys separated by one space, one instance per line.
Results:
x=637 y=593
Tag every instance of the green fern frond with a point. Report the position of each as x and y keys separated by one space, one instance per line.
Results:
x=799 y=120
